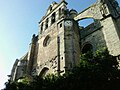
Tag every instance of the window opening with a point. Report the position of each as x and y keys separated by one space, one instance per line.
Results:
x=60 y=25
x=41 y=27
x=60 y=12
x=53 y=18
x=46 y=41
x=46 y=26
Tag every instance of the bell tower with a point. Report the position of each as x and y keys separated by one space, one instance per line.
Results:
x=58 y=41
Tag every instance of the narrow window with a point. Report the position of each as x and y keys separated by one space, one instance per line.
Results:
x=60 y=25
x=50 y=8
x=41 y=28
x=46 y=25
x=53 y=18
x=60 y=12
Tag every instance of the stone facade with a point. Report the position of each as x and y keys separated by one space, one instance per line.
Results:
x=57 y=47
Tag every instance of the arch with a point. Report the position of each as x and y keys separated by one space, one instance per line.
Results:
x=43 y=72
x=90 y=12
x=85 y=17
x=84 y=22
x=87 y=47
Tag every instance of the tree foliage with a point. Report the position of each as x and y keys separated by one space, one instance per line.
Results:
x=96 y=71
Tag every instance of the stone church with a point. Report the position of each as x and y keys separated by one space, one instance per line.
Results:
x=57 y=47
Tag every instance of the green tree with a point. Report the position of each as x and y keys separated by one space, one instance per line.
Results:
x=96 y=71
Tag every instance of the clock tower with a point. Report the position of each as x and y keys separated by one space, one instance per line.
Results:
x=71 y=42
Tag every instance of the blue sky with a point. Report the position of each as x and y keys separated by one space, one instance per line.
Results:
x=18 y=22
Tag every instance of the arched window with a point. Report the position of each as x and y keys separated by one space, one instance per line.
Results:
x=43 y=72
x=86 y=48
x=46 y=41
